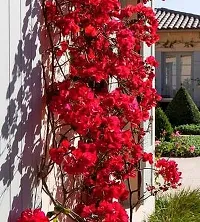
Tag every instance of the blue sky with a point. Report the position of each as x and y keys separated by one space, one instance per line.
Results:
x=190 y=6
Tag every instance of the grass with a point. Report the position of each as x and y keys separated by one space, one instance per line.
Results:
x=183 y=206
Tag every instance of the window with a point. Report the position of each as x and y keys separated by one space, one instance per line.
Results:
x=176 y=71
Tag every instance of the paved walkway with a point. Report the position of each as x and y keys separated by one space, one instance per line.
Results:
x=190 y=168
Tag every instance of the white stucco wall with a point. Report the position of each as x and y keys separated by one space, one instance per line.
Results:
x=20 y=113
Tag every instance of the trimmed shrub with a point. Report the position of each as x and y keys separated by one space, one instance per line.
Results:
x=189 y=129
x=163 y=126
x=183 y=206
x=182 y=109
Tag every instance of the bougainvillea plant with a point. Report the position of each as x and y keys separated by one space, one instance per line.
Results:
x=98 y=90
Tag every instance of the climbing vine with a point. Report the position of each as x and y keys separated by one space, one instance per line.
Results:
x=98 y=91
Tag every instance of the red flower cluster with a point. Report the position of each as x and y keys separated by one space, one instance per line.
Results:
x=103 y=46
x=100 y=43
x=33 y=216
x=169 y=171
x=108 y=212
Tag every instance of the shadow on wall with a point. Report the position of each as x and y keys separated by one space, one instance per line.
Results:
x=22 y=126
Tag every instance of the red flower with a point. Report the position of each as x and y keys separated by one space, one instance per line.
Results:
x=106 y=211
x=169 y=171
x=90 y=31
x=33 y=216
x=148 y=157
x=152 y=61
x=57 y=154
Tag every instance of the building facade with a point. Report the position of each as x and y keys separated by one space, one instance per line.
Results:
x=178 y=53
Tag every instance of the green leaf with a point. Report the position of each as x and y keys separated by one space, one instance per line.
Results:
x=67 y=211
x=55 y=220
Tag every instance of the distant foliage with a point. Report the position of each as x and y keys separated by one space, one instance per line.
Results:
x=189 y=129
x=182 y=109
x=163 y=126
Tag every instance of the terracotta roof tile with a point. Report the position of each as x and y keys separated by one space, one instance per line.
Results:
x=170 y=19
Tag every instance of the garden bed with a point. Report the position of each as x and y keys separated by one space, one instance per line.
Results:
x=179 y=146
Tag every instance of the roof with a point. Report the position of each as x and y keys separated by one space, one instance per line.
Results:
x=170 y=19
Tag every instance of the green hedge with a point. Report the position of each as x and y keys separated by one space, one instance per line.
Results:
x=182 y=110
x=189 y=129
x=162 y=124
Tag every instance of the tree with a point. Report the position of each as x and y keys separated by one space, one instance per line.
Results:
x=182 y=109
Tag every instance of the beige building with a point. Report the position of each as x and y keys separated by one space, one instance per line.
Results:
x=178 y=53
